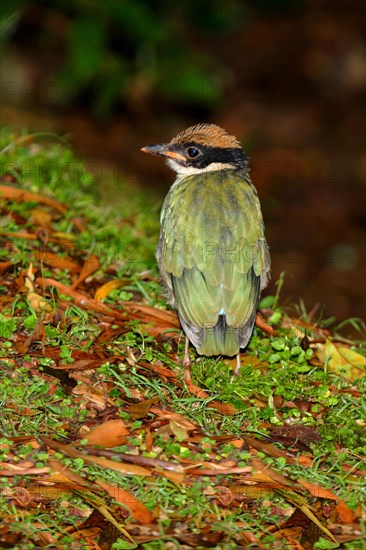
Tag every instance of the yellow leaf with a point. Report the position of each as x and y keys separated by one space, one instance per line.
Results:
x=107 y=288
x=36 y=301
x=344 y=362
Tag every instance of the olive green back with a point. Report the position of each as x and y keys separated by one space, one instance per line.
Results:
x=212 y=254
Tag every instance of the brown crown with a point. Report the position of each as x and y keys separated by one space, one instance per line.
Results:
x=206 y=134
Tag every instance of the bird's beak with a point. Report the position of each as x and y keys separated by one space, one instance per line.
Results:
x=162 y=150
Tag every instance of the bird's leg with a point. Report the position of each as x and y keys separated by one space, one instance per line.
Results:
x=186 y=359
x=187 y=363
x=237 y=366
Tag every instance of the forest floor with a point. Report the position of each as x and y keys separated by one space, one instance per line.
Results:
x=104 y=442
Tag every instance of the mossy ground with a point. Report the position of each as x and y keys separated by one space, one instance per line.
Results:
x=86 y=339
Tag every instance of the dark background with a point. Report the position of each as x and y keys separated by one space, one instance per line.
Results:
x=286 y=77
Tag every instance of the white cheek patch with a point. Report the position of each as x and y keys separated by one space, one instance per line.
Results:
x=189 y=170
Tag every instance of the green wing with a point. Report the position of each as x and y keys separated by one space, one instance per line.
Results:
x=214 y=258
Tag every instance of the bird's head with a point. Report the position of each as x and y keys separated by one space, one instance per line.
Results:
x=201 y=148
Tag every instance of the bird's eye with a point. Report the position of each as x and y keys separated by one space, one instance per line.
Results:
x=193 y=152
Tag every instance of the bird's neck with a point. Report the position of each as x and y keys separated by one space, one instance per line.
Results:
x=183 y=171
x=200 y=176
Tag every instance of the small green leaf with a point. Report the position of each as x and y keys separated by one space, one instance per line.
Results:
x=274 y=358
x=266 y=302
x=7 y=327
x=279 y=344
x=296 y=350
x=275 y=317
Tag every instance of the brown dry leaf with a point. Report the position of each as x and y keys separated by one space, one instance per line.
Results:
x=178 y=418
x=160 y=319
x=299 y=435
x=56 y=261
x=159 y=370
x=345 y=513
x=124 y=468
x=79 y=223
x=63 y=239
x=19 y=494
x=98 y=503
x=21 y=195
x=138 y=510
x=38 y=334
x=19 y=235
x=215 y=471
x=109 y=334
x=4 y=266
x=342 y=361
x=262 y=472
x=175 y=477
x=81 y=300
x=289 y=533
x=260 y=323
x=305 y=461
x=81 y=364
x=18 y=467
x=43 y=235
x=259 y=490
x=247 y=538
x=61 y=474
x=240 y=491
x=224 y=408
x=90 y=266
x=42 y=218
x=68 y=450
x=137 y=459
x=46 y=539
x=309 y=511
x=24 y=439
x=222 y=493
x=180 y=425
x=109 y=434
x=142 y=408
x=54 y=491
x=268 y=449
x=222 y=465
x=104 y=291
x=192 y=388
x=237 y=443
x=180 y=431
x=11 y=471
x=302 y=328
x=94 y=395
x=89 y=536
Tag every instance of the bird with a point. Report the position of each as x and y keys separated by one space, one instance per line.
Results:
x=212 y=253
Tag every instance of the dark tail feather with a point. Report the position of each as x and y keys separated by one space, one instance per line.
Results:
x=220 y=339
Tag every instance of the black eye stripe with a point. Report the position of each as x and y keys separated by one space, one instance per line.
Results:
x=201 y=155
x=209 y=155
